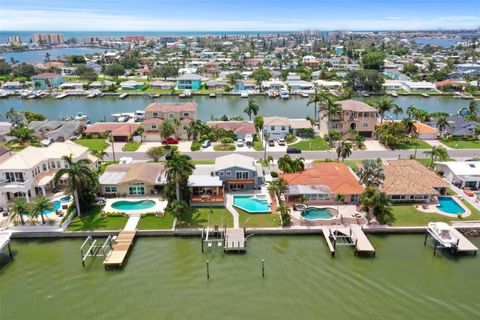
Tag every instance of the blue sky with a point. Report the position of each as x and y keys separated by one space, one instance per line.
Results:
x=226 y=15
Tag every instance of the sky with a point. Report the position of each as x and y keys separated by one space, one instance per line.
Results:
x=238 y=15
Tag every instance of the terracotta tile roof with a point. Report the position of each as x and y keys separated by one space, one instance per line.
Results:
x=334 y=175
x=423 y=128
x=276 y=121
x=171 y=107
x=117 y=129
x=408 y=177
x=46 y=76
x=152 y=121
x=355 y=105
x=238 y=127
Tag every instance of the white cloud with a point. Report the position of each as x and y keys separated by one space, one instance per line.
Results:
x=78 y=19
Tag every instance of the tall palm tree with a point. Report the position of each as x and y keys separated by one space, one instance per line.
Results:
x=178 y=168
x=397 y=110
x=18 y=208
x=442 y=124
x=344 y=150
x=252 y=108
x=383 y=106
x=371 y=173
x=437 y=152
x=39 y=206
x=289 y=165
x=315 y=100
x=23 y=136
x=330 y=108
x=79 y=174
x=278 y=187
x=410 y=126
x=167 y=129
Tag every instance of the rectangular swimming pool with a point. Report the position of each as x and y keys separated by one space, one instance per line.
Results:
x=252 y=204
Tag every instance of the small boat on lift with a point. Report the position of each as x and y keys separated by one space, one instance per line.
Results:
x=441 y=232
x=284 y=94
x=81 y=116
x=244 y=95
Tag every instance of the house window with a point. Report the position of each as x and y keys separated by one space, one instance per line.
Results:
x=53 y=164
x=155 y=114
x=272 y=128
x=241 y=175
x=110 y=189
x=171 y=116
x=14 y=177
x=154 y=126
x=283 y=128
x=136 y=190
x=220 y=173
x=186 y=114
x=44 y=166
x=365 y=125
x=185 y=128
x=58 y=165
x=229 y=173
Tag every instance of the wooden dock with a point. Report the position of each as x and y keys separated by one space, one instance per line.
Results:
x=348 y=236
x=463 y=244
x=235 y=240
x=120 y=248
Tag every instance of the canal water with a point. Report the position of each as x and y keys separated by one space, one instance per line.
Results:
x=165 y=278
x=296 y=107
x=36 y=56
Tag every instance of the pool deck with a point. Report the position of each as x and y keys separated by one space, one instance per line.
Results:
x=432 y=208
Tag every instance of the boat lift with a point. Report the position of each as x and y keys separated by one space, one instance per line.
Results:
x=213 y=237
x=94 y=249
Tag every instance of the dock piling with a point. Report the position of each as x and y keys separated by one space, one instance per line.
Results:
x=208 y=270
x=263 y=268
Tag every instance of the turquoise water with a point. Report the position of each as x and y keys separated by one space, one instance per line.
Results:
x=165 y=278
x=317 y=213
x=65 y=199
x=56 y=206
x=37 y=56
x=99 y=109
x=133 y=205
x=449 y=205
x=250 y=204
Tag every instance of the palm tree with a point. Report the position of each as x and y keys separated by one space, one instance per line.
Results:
x=437 y=152
x=78 y=175
x=178 y=168
x=278 y=187
x=100 y=154
x=397 y=110
x=289 y=165
x=442 y=124
x=344 y=150
x=330 y=108
x=368 y=200
x=473 y=108
x=383 y=106
x=333 y=136
x=284 y=211
x=23 y=136
x=252 y=108
x=18 y=208
x=411 y=111
x=359 y=142
x=315 y=99
x=14 y=117
x=410 y=126
x=371 y=173
x=167 y=129
x=39 y=206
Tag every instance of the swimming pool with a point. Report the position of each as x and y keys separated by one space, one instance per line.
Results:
x=449 y=205
x=56 y=206
x=133 y=205
x=65 y=199
x=252 y=204
x=312 y=213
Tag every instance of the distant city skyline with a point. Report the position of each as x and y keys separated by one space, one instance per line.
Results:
x=247 y=15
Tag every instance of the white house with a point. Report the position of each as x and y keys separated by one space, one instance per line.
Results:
x=276 y=127
x=463 y=174
x=300 y=86
x=393 y=85
x=328 y=84
x=30 y=172
x=412 y=86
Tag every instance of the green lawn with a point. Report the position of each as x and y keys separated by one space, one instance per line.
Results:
x=428 y=161
x=223 y=147
x=91 y=220
x=93 y=144
x=258 y=220
x=462 y=144
x=407 y=215
x=151 y=222
x=131 y=146
x=257 y=145
x=202 y=161
x=421 y=145
x=312 y=144
x=205 y=216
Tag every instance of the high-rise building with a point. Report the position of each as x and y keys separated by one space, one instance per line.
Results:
x=48 y=38
x=15 y=40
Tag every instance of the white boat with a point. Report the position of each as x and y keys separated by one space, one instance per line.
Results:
x=425 y=95
x=212 y=95
x=305 y=95
x=441 y=232
x=115 y=116
x=139 y=115
x=122 y=119
x=123 y=95
x=392 y=93
x=284 y=94
x=244 y=95
x=365 y=94
x=61 y=96
x=81 y=116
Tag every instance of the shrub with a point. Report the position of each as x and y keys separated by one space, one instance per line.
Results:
x=290 y=138
x=227 y=140
x=196 y=145
x=274 y=174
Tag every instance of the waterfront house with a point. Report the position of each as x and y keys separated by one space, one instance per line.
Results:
x=101 y=84
x=161 y=85
x=423 y=86
x=12 y=85
x=46 y=81
x=425 y=132
x=206 y=188
x=156 y=113
x=355 y=115
x=133 y=179
x=120 y=132
x=276 y=127
x=239 y=172
x=321 y=183
x=29 y=172
x=328 y=84
x=71 y=85
x=131 y=85
x=239 y=128
x=189 y=81
x=408 y=180
x=458 y=126
x=55 y=130
x=249 y=86
x=463 y=174
x=300 y=86
x=216 y=84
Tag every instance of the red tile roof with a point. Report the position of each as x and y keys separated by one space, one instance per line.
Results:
x=46 y=76
x=238 y=127
x=172 y=107
x=117 y=129
x=335 y=175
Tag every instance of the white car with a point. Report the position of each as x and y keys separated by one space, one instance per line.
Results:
x=239 y=143
x=281 y=141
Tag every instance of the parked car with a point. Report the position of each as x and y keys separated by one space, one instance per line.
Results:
x=239 y=143
x=206 y=144
x=271 y=142
x=170 y=140
x=281 y=141
x=293 y=150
